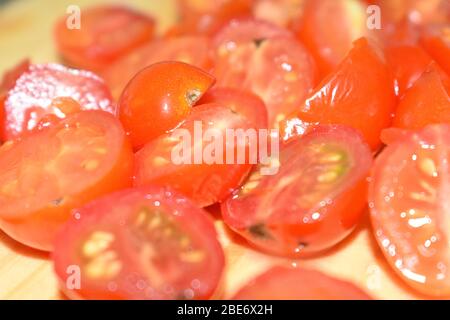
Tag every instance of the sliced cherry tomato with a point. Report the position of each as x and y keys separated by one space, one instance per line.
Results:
x=408 y=63
x=267 y=60
x=280 y=283
x=239 y=101
x=29 y=96
x=105 y=33
x=359 y=93
x=426 y=102
x=206 y=181
x=409 y=204
x=329 y=27
x=194 y=50
x=159 y=98
x=149 y=243
x=436 y=42
x=47 y=174
x=313 y=202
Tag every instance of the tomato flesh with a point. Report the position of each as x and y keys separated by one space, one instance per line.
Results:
x=148 y=243
x=437 y=43
x=314 y=200
x=48 y=173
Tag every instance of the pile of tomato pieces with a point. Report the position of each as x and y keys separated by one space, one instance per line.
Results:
x=360 y=117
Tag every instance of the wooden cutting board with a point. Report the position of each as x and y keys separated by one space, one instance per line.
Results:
x=26 y=31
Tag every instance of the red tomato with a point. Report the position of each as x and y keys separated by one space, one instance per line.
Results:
x=239 y=101
x=193 y=50
x=359 y=93
x=280 y=283
x=47 y=174
x=159 y=97
x=105 y=34
x=329 y=27
x=260 y=57
x=149 y=243
x=437 y=43
x=408 y=63
x=313 y=202
x=283 y=13
x=29 y=96
x=426 y=102
x=206 y=181
x=408 y=197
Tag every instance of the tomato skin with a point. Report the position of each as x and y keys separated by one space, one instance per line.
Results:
x=426 y=102
x=361 y=86
x=437 y=43
x=293 y=213
x=106 y=33
x=141 y=278
x=159 y=98
x=36 y=225
x=282 y=283
x=30 y=92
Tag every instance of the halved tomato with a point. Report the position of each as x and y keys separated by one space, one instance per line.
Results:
x=197 y=159
x=409 y=203
x=314 y=200
x=281 y=283
x=148 y=243
x=159 y=98
x=30 y=92
x=48 y=173
x=105 y=33
x=267 y=60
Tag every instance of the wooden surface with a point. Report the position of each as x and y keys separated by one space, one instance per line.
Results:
x=26 y=31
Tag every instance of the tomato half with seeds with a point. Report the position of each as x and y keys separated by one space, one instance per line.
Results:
x=267 y=60
x=281 y=283
x=198 y=159
x=159 y=98
x=312 y=201
x=194 y=50
x=48 y=173
x=409 y=204
x=30 y=93
x=147 y=243
x=104 y=34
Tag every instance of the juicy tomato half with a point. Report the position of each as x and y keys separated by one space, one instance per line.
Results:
x=30 y=92
x=148 y=243
x=48 y=173
x=94 y=38
x=408 y=199
x=314 y=200
x=267 y=60
x=198 y=159
x=426 y=102
x=359 y=93
x=281 y=283
x=194 y=50
x=159 y=98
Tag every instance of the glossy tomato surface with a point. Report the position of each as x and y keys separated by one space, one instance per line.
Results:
x=281 y=283
x=314 y=200
x=409 y=206
x=148 y=243
x=30 y=92
x=48 y=173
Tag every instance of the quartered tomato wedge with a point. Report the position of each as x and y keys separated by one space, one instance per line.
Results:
x=281 y=283
x=30 y=92
x=193 y=158
x=410 y=208
x=314 y=200
x=48 y=173
x=159 y=98
x=267 y=60
x=426 y=102
x=359 y=93
x=105 y=33
x=148 y=243
x=194 y=50
x=436 y=42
